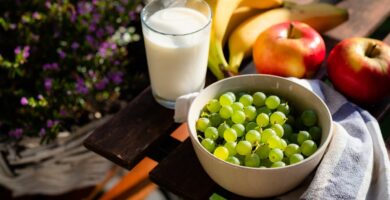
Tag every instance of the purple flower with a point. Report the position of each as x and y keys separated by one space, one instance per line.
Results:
x=84 y=8
x=42 y=132
x=100 y=33
x=23 y=101
x=50 y=66
x=26 y=52
x=63 y=112
x=81 y=88
x=50 y=123
x=16 y=133
x=48 y=83
x=90 y=40
x=92 y=74
x=120 y=9
x=92 y=27
x=132 y=15
x=116 y=77
x=40 y=97
x=61 y=53
x=110 y=29
x=36 y=15
x=96 y=18
x=75 y=45
x=17 y=50
x=101 y=84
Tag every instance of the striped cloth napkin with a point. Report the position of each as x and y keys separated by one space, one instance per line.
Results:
x=356 y=164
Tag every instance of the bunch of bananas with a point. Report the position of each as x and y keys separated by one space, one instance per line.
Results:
x=240 y=22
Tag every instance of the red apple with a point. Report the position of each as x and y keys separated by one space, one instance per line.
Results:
x=359 y=68
x=289 y=49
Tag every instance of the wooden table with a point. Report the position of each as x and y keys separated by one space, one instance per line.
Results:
x=143 y=127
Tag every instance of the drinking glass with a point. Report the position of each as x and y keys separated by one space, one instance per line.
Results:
x=176 y=35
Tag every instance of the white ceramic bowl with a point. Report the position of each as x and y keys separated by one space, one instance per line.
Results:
x=260 y=182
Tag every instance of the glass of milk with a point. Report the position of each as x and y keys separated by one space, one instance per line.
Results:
x=176 y=35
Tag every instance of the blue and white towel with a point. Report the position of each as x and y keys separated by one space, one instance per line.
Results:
x=356 y=164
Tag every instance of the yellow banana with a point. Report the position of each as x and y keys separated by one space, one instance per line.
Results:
x=222 y=13
x=261 y=4
x=239 y=15
x=320 y=16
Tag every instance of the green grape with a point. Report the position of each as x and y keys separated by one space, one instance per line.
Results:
x=253 y=136
x=266 y=134
x=266 y=163
x=244 y=147
x=273 y=141
x=237 y=106
x=272 y=102
x=275 y=155
x=226 y=112
x=202 y=123
x=239 y=128
x=262 y=120
x=231 y=146
x=309 y=118
x=251 y=126
x=290 y=119
x=208 y=144
x=252 y=160
x=263 y=109
x=259 y=99
x=315 y=133
x=308 y=147
x=211 y=132
x=295 y=158
x=286 y=160
x=246 y=100
x=282 y=144
x=278 y=164
x=250 y=112
x=278 y=129
x=293 y=138
x=213 y=105
x=226 y=99
x=215 y=119
x=303 y=136
x=229 y=122
x=221 y=129
x=278 y=118
x=221 y=153
x=263 y=151
x=232 y=95
x=284 y=108
x=230 y=135
x=287 y=129
x=233 y=160
x=291 y=149
x=238 y=117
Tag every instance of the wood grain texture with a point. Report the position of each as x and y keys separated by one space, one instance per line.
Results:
x=127 y=137
x=364 y=17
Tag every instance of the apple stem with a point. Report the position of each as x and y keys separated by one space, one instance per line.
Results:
x=371 y=52
x=290 y=30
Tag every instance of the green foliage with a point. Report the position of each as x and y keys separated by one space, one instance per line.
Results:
x=64 y=63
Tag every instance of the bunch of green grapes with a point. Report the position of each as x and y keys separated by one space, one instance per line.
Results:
x=257 y=130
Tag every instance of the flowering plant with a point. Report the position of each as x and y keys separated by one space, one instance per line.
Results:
x=66 y=62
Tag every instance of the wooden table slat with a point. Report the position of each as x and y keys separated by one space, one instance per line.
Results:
x=126 y=138
x=364 y=17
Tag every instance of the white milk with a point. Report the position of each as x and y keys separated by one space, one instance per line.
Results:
x=177 y=57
